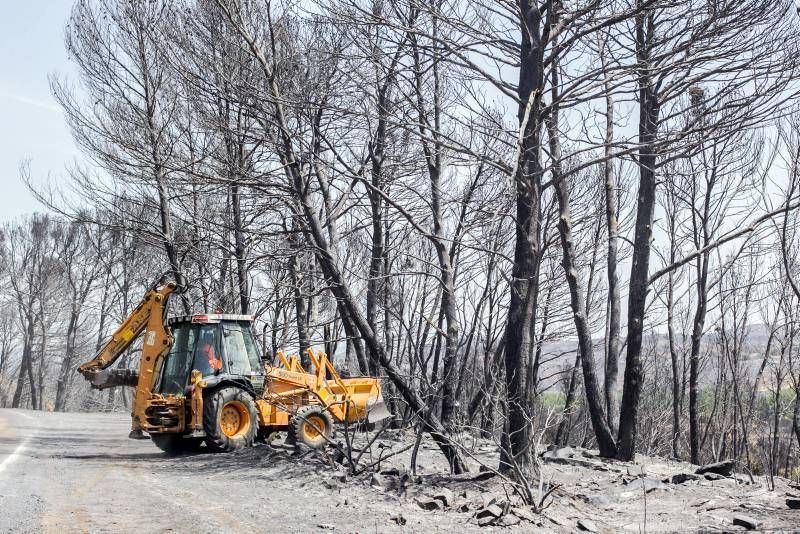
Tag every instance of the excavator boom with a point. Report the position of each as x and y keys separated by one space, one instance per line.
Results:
x=147 y=317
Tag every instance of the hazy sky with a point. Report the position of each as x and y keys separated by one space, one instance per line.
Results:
x=31 y=124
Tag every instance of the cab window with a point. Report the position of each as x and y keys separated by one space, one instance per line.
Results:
x=179 y=361
x=207 y=354
x=240 y=350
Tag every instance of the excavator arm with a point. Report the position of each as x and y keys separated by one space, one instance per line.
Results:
x=148 y=317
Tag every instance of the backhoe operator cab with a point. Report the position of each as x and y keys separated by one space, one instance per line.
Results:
x=219 y=349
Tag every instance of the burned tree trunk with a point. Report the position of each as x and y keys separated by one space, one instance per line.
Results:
x=612 y=228
x=605 y=438
x=643 y=232
x=528 y=183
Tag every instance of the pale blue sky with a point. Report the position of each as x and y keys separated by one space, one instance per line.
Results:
x=31 y=124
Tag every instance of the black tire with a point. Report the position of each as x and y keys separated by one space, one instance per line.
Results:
x=192 y=445
x=175 y=444
x=312 y=426
x=230 y=419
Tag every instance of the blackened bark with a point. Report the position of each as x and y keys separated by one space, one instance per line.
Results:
x=26 y=365
x=36 y=402
x=167 y=234
x=678 y=367
x=432 y=149
x=451 y=339
x=240 y=250
x=594 y=400
x=612 y=229
x=375 y=281
x=5 y=352
x=333 y=276
x=796 y=413
x=341 y=292
x=66 y=364
x=562 y=432
x=301 y=320
x=520 y=310
x=702 y=237
x=649 y=108
x=300 y=308
x=677 y=370
x=698 y=325
x=527 y=182
x=353 y=341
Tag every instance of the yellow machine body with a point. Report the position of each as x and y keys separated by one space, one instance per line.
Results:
x=289 y=386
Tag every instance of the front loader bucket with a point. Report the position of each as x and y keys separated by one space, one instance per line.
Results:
x=351 y=400
x=377 y=410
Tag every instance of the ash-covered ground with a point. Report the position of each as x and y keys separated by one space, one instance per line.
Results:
x=72 y=472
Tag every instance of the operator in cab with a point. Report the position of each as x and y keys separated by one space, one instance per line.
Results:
x=206 y=359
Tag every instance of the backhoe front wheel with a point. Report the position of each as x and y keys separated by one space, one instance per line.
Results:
x=312 y=426
x=230 y=419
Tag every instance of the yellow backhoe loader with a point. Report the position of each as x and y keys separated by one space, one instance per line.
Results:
x=201 y=379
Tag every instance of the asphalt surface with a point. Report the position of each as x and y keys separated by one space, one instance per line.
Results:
x=79 y=473
x=17 y=503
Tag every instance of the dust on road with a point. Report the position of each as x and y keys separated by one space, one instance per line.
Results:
x=79 y=473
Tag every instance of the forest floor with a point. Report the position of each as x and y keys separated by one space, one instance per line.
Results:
x=79 y=473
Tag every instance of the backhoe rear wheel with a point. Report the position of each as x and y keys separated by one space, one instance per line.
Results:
x=230 y=419
x=175 y=444
x=312 y=426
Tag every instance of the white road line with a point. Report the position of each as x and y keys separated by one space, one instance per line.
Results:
x=11 y=458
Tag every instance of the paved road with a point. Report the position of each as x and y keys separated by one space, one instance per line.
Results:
x=77 y=472
x=80 y=473
x=16 y=503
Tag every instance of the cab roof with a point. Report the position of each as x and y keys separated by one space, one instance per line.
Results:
x=210 y=318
